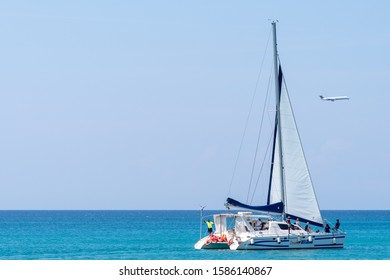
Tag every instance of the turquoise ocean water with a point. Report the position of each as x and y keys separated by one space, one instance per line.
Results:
x=166 y=235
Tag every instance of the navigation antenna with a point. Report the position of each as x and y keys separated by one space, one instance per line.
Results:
x=201 y=220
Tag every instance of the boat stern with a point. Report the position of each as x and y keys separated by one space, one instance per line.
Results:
x=207 y=243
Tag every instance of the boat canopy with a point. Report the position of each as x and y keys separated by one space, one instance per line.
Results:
x=276 y=208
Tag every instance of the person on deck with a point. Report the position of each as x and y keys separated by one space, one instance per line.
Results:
x=327 y=228
x=289 y=224
x=337 y=225
x=259 y=225
x=307 y=227
x=297 y=223
x=209 y=226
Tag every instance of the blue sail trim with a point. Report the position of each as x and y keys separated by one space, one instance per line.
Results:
x=280 y=79
x=272 y=161
x=271 y=208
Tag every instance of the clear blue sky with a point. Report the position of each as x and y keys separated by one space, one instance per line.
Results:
x=142 y=104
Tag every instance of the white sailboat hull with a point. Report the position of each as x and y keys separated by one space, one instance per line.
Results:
x=315 y=241
x=245 y=231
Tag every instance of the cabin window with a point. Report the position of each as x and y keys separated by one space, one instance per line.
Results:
x=283 y=226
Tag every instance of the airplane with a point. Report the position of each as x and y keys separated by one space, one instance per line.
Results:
x=334 y=98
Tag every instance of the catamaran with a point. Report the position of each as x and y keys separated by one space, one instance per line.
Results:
x=291 y=195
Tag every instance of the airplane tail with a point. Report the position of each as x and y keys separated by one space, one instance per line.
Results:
x=322 y=97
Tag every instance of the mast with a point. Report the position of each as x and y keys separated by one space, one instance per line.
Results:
x=277 y=94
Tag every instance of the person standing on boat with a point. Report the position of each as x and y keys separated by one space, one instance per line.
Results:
x=337 y=225
x=289 y=224
x=209 y=226
x=259 y=224
x=297 y=223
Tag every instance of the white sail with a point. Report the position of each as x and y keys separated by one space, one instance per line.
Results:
x=299 y=196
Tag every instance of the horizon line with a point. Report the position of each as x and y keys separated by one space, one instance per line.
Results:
x=224 y=210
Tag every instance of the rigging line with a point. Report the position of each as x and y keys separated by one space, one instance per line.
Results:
x=271 y=119
x=249 y=113
x=258 y=139
x=261 y=168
